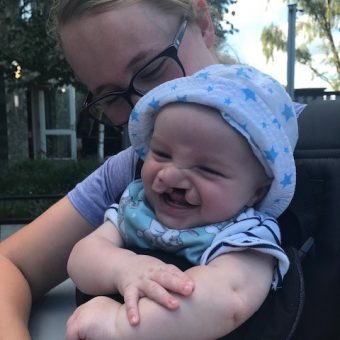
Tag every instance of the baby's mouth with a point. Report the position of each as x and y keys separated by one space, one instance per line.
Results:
x=176 y=198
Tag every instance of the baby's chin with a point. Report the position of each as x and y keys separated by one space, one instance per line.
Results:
x=177 y=223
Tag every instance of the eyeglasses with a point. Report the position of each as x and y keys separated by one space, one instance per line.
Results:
x=113 y=108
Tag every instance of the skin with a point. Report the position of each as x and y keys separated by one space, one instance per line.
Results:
x=88 y=39
x=30 y=263
x=199 y=171
x=100 y=262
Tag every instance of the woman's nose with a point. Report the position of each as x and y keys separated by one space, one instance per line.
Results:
x=134 y=98
x=171 y=178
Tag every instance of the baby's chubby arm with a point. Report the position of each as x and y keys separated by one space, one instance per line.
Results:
x=227 y=292
x=99 y=265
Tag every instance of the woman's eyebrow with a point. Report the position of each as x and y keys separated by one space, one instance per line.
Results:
x=133 y=62
x=137 y=59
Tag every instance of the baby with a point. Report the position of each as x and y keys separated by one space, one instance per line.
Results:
x=218 y=169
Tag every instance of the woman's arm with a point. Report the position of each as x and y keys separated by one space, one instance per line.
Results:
x=15 y=297
x=227 y=292
x=33 y=260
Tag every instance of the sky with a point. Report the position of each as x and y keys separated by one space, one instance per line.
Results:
x=251 y=16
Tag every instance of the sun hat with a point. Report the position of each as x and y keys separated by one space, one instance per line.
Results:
x=252 y=102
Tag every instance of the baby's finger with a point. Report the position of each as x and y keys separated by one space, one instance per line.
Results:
x=71 y=333
x=160 y=295
x=174 y=280
x=131 y=298
x=73 y=327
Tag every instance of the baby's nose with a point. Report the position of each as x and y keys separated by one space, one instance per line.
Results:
x=177 y=183
x=171 y=178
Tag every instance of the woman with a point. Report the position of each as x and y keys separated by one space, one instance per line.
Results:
x=111 y=46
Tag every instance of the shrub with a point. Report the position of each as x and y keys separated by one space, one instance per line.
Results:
x=39 y=177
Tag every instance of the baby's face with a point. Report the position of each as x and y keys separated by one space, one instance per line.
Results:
x=199 y=170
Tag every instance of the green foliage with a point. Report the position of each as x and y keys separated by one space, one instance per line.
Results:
x=272 y=34
x=220 y=9
x=24 y=40
x=39 y=177
x=44 y=176
x=320 y=21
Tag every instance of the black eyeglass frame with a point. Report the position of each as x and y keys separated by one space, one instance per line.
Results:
x=171 y=52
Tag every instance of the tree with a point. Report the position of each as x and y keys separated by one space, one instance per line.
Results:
x=26 y=50
x=220 y=9
x=319 y=23
x=29 y=53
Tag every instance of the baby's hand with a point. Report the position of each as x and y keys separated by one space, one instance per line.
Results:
x=146 y=276
x=95 y=320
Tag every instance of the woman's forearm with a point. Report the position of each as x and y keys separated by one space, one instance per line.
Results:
x=32 y=261
x=15 y=297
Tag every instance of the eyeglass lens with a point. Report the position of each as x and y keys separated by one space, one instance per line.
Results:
x=117 y=109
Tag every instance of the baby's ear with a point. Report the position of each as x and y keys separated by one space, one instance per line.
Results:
x=260 y=193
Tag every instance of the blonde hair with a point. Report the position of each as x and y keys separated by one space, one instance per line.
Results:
x=64 y=11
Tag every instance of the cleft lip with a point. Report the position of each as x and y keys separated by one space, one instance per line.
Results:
x=177 y=199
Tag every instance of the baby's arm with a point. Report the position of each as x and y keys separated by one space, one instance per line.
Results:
x=227 y=292
x=99 y=266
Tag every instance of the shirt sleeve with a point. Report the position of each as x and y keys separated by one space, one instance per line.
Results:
x=251 y=230
x=98 y=191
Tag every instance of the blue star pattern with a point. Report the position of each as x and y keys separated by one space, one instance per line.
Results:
x=182 y=99
x=210 y=88
x=277 y=123
x=288 y=112
x=203 y=75
x=271 y=155
x=134 y=115
x=227 y=101
x=249 y=94
x=154 y=103
x=270 y=90
x=242 y=72
x=287 y=180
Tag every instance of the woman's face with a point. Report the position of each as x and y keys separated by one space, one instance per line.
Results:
x=105 y=50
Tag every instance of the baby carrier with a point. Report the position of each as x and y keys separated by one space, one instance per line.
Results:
x=308 y=304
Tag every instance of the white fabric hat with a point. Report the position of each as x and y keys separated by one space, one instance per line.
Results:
x=252 y=102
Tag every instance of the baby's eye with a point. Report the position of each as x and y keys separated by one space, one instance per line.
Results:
x=210 y=171
x=161 y=154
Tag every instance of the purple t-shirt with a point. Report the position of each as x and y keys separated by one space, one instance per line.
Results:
x=98 y=191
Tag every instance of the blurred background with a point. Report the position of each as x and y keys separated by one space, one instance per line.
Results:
x=46 y=146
